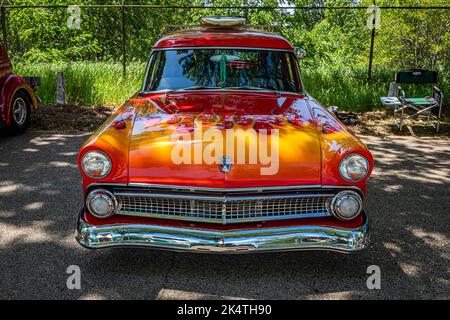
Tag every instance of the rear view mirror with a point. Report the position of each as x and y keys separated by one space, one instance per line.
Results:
x=300 y=53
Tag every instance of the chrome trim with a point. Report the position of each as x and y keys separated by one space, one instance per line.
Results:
x=104 y=184
x=193 y=189
x=248 y=189
x=224 y=195
x=222 y=207
x=341 y=187
x=107 y=157
x=225 y=220
x=234 y=241
x=348 y=156
x=218 y=198
x=245 y=189
x=338 y=197
x=116 y=204
x=19 y=111
x=227 y=22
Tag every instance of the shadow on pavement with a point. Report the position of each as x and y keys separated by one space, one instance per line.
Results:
x=40 y=195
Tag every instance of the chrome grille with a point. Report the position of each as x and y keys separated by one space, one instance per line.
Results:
x=222 y=208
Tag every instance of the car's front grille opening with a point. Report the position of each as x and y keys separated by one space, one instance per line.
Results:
x=222 y=207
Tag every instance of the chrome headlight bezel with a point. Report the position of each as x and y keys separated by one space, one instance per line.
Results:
x=99 y=154
x=115 y=205
x=343 y=171
x=338 y=198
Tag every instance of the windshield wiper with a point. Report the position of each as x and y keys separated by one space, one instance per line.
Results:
x=224 y=88
x=194 y=88
x=253 y=88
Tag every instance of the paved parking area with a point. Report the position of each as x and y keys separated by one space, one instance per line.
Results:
x=40 y=195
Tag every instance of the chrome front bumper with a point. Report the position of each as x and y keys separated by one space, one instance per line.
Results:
x=235 y=241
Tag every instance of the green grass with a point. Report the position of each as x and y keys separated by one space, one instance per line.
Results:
x=102 y=83
x=349 y=89
x=90 y=83
x=346 y=88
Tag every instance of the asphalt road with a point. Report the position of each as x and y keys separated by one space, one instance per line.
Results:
x=408 y=203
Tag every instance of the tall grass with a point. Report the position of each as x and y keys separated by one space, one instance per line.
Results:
x=349 y=89
x=89 y=83
x=102 y=83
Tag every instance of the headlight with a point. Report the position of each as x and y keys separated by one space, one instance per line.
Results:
x=102 y=203
x=346 y=205
x=96 y=164
x=354 y=167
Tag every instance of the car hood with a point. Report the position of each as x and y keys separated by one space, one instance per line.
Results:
x=173 y=135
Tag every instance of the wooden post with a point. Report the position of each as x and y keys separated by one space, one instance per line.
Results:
x=61 y=95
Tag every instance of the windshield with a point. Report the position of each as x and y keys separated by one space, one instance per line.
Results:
x=222 y=68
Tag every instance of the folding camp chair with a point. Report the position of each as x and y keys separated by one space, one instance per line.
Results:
x=406 y=108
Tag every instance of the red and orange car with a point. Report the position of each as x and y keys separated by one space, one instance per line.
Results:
x=17 y=97
x=222 y=150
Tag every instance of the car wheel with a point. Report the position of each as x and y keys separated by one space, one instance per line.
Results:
x=20 y=114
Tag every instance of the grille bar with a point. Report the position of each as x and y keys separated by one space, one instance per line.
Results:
x=223 y=208
x=218 y=198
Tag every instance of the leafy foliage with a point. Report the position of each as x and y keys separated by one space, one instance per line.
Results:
x=337 y=41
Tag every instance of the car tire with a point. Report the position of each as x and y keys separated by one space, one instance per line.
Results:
x=20 y=113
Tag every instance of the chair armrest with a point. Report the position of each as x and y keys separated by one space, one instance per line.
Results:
x=401 y=92
x=437 y=95
x=436 y=89
x=393 y=89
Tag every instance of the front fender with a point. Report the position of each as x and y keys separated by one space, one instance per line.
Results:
x=336 y=143
x=113 y=138
x=11 y=85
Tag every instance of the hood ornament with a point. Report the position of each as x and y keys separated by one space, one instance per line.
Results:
x=225 y=164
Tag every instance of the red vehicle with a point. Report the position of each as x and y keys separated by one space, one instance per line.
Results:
x=17 y=97
x=222 y=150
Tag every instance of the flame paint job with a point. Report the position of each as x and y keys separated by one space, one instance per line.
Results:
x=114 y=142
x=336 y=142
x=153 y=138
x=139 y=139
x=139 y=136
x=10 y=84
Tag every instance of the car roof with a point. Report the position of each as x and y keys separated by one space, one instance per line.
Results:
x=223 y=37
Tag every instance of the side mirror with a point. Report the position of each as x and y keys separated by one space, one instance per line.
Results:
x=300 y=53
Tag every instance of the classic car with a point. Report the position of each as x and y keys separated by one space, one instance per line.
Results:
x=223 y=151
x=17 y=97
